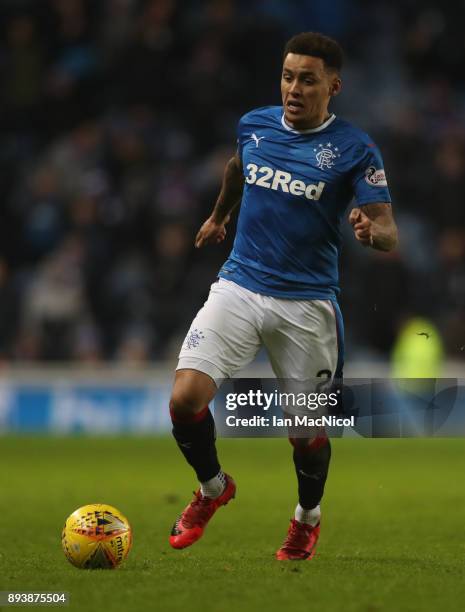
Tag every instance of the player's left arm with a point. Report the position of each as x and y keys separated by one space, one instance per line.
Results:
x=374 y=226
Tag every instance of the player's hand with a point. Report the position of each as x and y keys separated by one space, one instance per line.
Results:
x=362 y=226
x=211 y=232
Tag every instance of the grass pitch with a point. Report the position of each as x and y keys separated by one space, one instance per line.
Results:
x=392 y=530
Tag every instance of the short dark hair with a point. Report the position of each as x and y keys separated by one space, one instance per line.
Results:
x=316 y=45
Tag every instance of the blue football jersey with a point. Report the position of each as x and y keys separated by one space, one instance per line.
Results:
x=298 y=186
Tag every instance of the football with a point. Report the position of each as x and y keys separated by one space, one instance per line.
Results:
x=96 y=536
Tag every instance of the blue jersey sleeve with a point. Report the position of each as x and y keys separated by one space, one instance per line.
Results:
x=369 y=182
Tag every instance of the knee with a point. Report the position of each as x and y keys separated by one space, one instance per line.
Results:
x=182 y=402
x=192 y=392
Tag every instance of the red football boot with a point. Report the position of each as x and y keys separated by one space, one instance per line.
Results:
x=300 y=542
x=190 y=525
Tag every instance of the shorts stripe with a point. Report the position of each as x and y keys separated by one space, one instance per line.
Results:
x=340 y=339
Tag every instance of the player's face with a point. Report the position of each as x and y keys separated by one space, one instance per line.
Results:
x=306 y=88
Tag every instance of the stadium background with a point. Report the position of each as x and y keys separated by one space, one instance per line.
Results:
x=116 y=119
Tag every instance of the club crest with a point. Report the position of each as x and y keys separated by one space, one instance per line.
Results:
x=194 y=338
x=325 y=155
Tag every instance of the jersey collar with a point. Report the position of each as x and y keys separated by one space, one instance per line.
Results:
x=321 y=127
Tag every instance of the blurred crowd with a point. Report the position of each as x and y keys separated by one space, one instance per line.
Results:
x=117 y=117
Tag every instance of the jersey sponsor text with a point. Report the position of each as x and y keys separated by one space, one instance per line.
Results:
x=264 y=176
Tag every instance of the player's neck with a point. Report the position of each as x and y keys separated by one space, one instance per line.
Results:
x=313 y=124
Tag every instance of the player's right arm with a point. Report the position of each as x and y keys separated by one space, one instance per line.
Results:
x=213 y=231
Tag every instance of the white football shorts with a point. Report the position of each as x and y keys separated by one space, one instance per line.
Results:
x=303 y=338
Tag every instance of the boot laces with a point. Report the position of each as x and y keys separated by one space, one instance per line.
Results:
x=297 y=536
x=199 y=511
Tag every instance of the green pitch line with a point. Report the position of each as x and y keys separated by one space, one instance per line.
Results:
x=392 y=527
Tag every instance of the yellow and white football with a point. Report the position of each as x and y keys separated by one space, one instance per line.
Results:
x=96 y=536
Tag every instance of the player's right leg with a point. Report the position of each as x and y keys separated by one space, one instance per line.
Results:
x=223 y=338
x=194 y=432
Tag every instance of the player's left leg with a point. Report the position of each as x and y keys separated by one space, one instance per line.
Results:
x=311 y=461
x=305 y=345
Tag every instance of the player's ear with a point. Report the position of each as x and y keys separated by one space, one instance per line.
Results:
x=335 y=86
